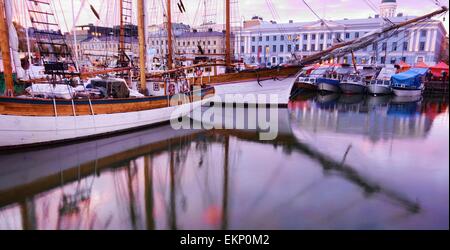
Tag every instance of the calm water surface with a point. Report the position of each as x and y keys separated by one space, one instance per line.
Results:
x=340 y=162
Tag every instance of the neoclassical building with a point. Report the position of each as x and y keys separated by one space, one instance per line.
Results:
x=273 y=43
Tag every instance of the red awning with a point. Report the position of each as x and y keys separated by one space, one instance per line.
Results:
x=404 y=65
x=421 y=65
x=439 y=68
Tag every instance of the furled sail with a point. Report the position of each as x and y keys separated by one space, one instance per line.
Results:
x=13 y=40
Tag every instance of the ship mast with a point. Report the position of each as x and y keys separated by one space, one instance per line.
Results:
x=142 y=47
x=121 y=34
x=169 y=35
x=5 y=48
x=228 y=34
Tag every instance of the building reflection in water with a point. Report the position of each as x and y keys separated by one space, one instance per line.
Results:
x=312 y=177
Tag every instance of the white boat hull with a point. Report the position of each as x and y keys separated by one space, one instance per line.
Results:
x=376 y=89
x=250 y=90
x=328 y=87
x=407 y=92
x=353 y=88
x=18 y=131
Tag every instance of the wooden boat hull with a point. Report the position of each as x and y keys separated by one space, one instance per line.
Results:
x=305 y=86
x=28 y=130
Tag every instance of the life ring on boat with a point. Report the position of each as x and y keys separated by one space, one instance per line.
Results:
x=72 y=69
x=185 y=87
x=172 y=89
x=198 y=73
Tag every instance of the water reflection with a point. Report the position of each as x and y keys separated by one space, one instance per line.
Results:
x=348 y=162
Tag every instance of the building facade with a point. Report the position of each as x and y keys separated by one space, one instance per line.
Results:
x=271 y=43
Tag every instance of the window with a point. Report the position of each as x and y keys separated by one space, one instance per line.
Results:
x=215 y=42
x=422 y=46
x=289 y=48
x=281 y=60
x=297 y=47
x=305 y=37
x=320 y=47
x=259 y=48
x=394 y=46
x=253 y=39
x=267 y=38
x=281 y=48
x=274 y=38
x=313 y=47
x=313 y=37
x=404 y=58
x=383 y=60
x=274 y=48
x=282 y=37
x=242 y=49
x=347 y=35
x=338 y=35
x=274 y=60
x=405 y=45
x=260 y=39
x=321 y=36
x=384 y=46
x=356 y=34
x=423 y=33
x=393 y=59
x=305 y=48
x=209 y=42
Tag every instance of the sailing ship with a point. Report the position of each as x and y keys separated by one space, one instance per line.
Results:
x=228 y=78
x=29 y=120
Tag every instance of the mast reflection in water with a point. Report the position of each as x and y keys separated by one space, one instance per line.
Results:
x=346 y=162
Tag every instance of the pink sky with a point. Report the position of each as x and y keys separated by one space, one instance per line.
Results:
x=287 y=9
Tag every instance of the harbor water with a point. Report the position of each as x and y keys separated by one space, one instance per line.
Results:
x=338 y=162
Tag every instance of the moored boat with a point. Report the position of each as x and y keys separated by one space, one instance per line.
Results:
x=382 y=84
x=353 y=84
x=409 y=83
x=63 y=108
x=332 y=79
x=307 y=78
x=358 y=83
